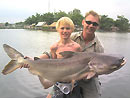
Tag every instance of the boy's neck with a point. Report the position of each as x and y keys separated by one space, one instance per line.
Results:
x=65 y=41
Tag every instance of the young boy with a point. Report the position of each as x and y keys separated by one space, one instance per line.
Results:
x=64 y=27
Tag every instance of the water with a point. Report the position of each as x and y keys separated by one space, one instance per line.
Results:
x=22 y=84
x=116 y=85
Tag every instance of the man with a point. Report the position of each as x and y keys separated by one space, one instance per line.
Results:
x=89 y=43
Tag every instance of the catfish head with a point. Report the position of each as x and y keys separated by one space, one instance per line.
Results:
x=103 y=63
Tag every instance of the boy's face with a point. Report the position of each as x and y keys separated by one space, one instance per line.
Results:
x=64 y=31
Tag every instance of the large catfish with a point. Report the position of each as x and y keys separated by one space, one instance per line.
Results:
x=74 y=66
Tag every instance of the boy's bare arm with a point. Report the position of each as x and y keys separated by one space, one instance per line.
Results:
x=43 y=56
x=77 y=47
x=53 y=49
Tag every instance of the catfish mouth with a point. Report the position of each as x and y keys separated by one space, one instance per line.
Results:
x=120 y=64
x=123 y=62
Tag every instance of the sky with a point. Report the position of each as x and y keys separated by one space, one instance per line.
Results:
x=13 y=11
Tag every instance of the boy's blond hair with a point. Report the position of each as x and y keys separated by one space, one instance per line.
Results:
x=65 y=21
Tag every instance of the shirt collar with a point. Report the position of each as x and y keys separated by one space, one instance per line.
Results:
x=92 y=42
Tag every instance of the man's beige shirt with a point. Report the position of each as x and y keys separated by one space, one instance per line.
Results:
x=93 y=46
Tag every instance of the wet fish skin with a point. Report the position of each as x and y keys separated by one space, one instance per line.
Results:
x=73 y=67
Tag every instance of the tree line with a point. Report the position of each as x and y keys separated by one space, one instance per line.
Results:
x=106 y=23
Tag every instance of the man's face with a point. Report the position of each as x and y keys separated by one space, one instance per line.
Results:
x=90 y=24
x=64 y=31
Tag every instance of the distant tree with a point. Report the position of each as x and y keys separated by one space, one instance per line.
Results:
x=19 y=23
x=48 y=18
x=38 y=18
x=58 y=15
x=76 y=16
x=6 y=24
x=122 y=23
x=29 y=20
x=33 y=19
x=106 y=23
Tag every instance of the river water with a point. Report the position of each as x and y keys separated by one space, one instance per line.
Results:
x=22 y=84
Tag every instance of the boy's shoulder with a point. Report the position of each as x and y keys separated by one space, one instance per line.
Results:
x=76 y=46
x=75 y=43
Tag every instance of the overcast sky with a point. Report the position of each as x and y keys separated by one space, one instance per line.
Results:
x=18 y=10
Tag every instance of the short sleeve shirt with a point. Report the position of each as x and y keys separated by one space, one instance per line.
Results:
x=92 y=46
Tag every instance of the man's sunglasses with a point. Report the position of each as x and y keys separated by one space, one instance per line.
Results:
x=90 y=22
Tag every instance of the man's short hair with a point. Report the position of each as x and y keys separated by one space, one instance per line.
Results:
x=92 y=13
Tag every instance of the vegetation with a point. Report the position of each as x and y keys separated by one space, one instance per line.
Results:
x=49 y=17
x=121 y=23
x=106 y=23
x=6 y=24
x=76 y=17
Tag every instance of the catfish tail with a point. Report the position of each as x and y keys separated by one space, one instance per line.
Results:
x=12 y=53
x=15 y=56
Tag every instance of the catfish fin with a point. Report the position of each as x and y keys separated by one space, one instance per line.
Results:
x=91 y=74
x=86 y=75
x=45 y=83
x=72 y=82
x=67 y=54
x=10 y=67
x=11 y=52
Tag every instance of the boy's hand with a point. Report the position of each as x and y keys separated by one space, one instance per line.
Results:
x=26 y=65
x=48 y=96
